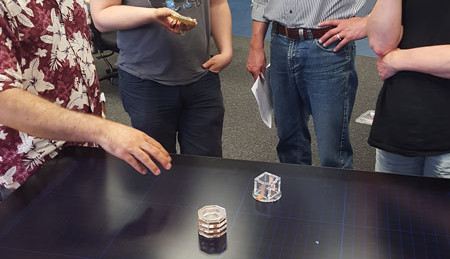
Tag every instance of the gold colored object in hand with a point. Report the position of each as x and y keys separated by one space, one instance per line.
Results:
x=183 y=19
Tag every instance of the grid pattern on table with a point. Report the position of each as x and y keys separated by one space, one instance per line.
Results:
x=316 y=218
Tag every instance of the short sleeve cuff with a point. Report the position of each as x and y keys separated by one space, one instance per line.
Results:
x=258 y=12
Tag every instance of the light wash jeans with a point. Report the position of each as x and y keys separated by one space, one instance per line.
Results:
x=309 y=79
x=434 y=166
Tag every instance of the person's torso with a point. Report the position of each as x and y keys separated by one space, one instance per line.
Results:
x=152 y=52
x=413 y=110
x=308 y=13
x=45 y=48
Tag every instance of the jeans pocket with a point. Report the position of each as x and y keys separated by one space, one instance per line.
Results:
x=213 y=73
x=330 y=48
x=211 y=79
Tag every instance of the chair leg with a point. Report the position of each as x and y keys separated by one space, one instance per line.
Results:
x=111 y=72
x=104 y=57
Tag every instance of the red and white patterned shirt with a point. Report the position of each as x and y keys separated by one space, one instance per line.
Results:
x=45 y=49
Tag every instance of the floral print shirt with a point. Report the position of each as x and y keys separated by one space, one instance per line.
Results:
x=45 y=49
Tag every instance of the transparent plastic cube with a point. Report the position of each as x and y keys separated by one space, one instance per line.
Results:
x=267 y=187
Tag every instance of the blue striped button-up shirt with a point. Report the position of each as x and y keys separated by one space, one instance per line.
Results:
x=304 y=13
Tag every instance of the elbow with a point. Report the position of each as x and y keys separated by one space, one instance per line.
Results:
x=98 y=22
x=100 y=28
x=377 y=45
x=98 y=25
x=383 y=44
x=380 y=48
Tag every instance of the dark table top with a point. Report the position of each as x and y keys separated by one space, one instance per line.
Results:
x=88 y=204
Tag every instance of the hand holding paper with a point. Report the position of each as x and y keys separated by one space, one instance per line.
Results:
x=263 y=94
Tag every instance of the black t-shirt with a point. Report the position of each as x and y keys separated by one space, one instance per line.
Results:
x=412 y=115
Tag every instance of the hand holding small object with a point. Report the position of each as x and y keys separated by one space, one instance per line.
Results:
x=185 y=23
x=184 y=19
x=173 y=21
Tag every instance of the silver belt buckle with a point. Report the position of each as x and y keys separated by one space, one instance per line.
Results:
x=300 y=34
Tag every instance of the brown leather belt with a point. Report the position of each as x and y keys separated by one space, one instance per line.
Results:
x=300 y=33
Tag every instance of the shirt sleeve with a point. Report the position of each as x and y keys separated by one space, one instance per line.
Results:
x=258 y=7
x=10 y=70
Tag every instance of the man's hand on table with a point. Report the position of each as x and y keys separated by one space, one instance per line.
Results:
x=134 y=147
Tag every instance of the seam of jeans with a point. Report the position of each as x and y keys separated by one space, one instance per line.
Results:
x=294 y=45
x=346 y=107
x=341 y=156
x=291 y=50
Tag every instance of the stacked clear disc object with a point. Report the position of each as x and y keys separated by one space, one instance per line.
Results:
x=212 y=221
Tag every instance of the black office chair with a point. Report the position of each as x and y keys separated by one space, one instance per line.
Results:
x=105 y=45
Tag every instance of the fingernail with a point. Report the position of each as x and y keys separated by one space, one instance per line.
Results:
x=320 y=41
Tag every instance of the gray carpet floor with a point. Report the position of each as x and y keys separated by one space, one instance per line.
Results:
x=245 y=136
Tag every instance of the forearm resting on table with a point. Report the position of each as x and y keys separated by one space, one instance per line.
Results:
x=36 y=116
x=434 y=60
x=29 y=113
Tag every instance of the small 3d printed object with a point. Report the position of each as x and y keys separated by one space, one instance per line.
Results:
x=183 y=19
x=267 y=187
x=212 y=221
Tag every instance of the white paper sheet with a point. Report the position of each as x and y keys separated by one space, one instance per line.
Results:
x=263 y=94
x=366 y=118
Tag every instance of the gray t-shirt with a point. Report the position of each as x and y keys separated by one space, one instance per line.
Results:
x=152 y=52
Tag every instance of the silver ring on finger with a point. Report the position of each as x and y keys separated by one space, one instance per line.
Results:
x=338 y=36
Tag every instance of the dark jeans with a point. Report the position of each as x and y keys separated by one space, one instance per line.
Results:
x=193 y=112
x=4 y=193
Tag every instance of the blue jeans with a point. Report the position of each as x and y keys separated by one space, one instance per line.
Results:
x=193 y=113
x=434 y=166
x=308 y=79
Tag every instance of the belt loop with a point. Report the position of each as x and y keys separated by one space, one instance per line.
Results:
x=300 y=33
x=309 y=33
x=286 y=31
